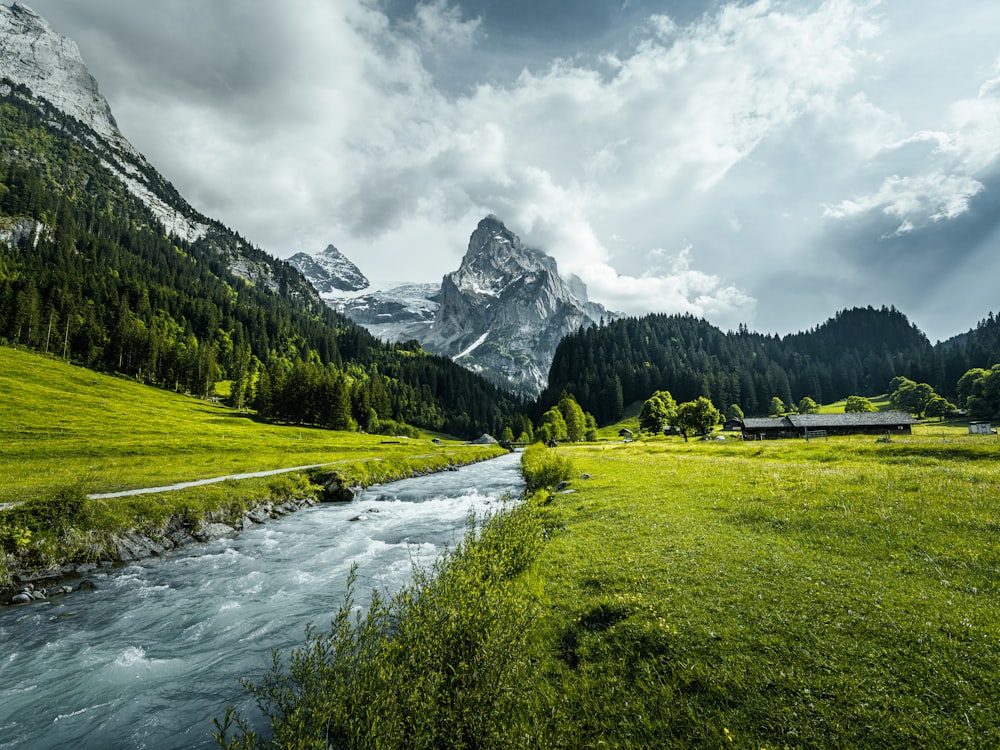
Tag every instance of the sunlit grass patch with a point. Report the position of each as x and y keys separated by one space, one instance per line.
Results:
x=792 y=594
x=66 y=433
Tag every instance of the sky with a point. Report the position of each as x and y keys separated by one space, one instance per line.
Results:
x=766 y=163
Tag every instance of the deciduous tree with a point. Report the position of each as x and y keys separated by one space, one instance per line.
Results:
x=658 y=411
x=859 y=405
x=698 y=416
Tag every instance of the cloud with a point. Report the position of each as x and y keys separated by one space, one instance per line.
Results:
x=678 y=156
x=915 y=201
x=573 y=146
x=943 y=180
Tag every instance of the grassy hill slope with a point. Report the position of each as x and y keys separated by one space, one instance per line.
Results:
x=840 y=593
x=66 y=432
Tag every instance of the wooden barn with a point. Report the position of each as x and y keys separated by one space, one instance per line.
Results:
x=824 y=425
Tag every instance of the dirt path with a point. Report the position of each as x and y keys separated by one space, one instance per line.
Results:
x=201 y=482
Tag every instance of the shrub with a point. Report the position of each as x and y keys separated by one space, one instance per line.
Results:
x=543 y=467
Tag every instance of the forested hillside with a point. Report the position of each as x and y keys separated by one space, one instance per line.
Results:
x=87 y=272
x=856 y=352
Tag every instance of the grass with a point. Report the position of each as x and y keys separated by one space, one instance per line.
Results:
x=64 y=426
x=840 y=594
x=835 y=593
x=66 y=432
x=881 y=402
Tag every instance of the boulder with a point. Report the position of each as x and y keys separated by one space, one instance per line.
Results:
x=336 y=488
x=208 y=532
x=134 y=546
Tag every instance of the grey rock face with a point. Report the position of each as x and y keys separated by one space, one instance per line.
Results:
x=34 y=56
x=504 y=311
x=50 y=65
x=330 y=271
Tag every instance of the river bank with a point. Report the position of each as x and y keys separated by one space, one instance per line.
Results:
x=70 y=537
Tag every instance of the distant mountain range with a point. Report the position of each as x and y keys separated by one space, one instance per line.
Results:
x=502 y=313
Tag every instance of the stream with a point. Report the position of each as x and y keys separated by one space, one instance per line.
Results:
x=157 y=651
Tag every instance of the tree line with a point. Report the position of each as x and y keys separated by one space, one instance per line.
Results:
x=858 y=351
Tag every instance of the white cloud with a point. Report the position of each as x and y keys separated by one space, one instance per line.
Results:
x=915 y=201
x=944 y=180
x=313 y=122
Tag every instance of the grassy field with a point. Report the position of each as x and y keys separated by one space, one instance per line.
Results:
x=782 y=594
x=63 y=426
x=66 y=432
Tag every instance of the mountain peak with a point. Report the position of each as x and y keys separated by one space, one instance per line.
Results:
x=496 y=257
x=49 y=64
x=330 y=271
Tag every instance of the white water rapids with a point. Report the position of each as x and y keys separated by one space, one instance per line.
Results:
x=150 y=657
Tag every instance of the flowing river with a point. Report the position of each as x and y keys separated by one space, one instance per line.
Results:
x=150 y=657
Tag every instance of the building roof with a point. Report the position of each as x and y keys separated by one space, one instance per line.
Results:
x=766 y=423
x=851 y=419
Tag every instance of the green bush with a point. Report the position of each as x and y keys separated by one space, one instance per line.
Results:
x=291 y=487
x=543 y=467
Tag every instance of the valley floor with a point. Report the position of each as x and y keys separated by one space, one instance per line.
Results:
x=784 y=594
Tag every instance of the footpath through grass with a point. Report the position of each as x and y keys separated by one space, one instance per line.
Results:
x=822 y=594
x=64 y=426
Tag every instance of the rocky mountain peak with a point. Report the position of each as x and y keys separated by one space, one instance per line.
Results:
x=330 y=271
x=496 y=258
x=50 y=64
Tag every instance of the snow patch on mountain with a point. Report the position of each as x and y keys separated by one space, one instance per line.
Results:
x=330 y=271
x=475 y=345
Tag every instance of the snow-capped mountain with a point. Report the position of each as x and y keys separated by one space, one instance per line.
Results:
x=502 y=313
x=330 y=271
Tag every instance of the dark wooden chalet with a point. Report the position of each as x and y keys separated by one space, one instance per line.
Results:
x=821 y=425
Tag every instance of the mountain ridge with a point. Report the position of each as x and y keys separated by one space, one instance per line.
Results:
x=89 y=269
x=501 y=313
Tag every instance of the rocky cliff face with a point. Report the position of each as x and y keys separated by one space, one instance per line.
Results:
x=50 y=65
x=43 y=68
x=504 y=311
x=501 y=314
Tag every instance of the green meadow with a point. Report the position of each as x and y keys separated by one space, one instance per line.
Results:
x=64 y=426
x=836 y=593
x=66 y=432
x=785 y=594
